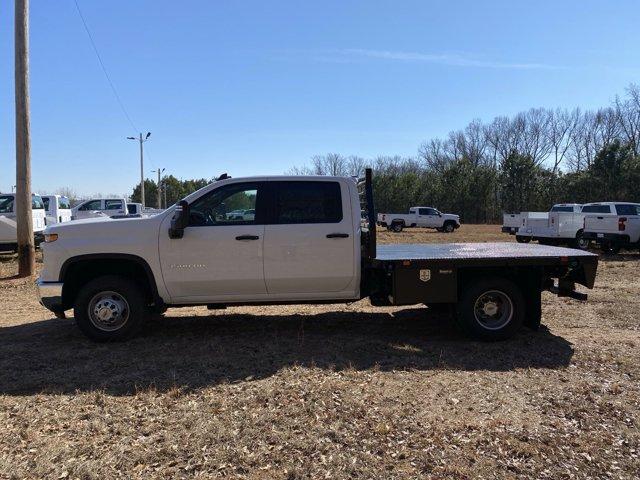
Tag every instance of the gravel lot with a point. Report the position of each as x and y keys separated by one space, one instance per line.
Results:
x=344 y=391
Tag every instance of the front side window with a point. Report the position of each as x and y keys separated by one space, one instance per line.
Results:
x=63 y=203
x=428 y=211
x=628 y=209
x=112 y=204
x=307 y=202
x=233 y=204
x=596 y=209
x=6 y=203
x=92 y=205
x=36 y=202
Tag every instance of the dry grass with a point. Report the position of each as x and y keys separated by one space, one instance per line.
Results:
x=326 y=391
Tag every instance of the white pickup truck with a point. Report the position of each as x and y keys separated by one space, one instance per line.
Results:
x=57 y=207
x=613 y=225
x=563 y=224
x=305 y=244
x=426 y=217
x=8 y=226
x=99 y=207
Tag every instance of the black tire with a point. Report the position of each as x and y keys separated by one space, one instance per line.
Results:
x=500 y=295
x=397 y=227
x=117 y=296
x=449 y=227
x=521 y=239
x=580 y=242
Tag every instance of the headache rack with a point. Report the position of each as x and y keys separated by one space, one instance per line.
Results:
x=365 y=189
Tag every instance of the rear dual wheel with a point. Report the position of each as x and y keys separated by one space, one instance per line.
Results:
x=491 y=309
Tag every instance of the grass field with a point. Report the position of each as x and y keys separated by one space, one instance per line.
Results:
x=331 y=391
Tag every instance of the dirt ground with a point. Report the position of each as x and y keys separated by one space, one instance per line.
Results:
x=331 y=391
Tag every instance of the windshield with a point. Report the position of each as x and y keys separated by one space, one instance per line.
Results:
x=562 y=209
x=6 y=203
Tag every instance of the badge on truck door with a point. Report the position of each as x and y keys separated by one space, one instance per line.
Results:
x=425 y=275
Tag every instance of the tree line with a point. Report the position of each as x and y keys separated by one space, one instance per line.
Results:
x=525 y=162
x=528 y=161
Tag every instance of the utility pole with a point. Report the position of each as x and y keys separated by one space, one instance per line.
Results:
x=26 y=250
x=164 y=191
x=160 y=170
x=141 y=140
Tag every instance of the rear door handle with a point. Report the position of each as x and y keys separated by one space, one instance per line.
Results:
x=338 y=235
x=248 y=237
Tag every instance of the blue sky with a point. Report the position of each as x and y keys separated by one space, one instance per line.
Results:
x=255 y=87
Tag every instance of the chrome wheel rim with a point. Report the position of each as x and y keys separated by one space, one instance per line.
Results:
x=493 y=310
x=583 y=243
x=108 y=311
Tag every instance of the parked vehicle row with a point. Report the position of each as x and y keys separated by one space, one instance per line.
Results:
x=8 y=226
x=426 y=217
x=611 y=225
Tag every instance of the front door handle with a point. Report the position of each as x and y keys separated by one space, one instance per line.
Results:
x=248 y=237
x=338 y=235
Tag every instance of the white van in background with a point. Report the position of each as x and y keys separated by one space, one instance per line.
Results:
x=8 y=226
x=99 y=207
x=57 y=207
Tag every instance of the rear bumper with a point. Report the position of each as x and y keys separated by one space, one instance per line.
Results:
x=50 y=294
x=609 y=238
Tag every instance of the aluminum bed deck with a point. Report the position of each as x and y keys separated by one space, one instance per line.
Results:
x=474 y=251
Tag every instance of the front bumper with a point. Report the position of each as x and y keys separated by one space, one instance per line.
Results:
x=50 y=295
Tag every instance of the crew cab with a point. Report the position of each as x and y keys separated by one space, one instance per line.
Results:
x=305 y=244
x=426 y=217
x=99 y=207
x=562 y=225
x=613 y=225
x=57 y=208
x=9 y=227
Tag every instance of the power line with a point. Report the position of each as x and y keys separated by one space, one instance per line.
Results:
x=104 y=69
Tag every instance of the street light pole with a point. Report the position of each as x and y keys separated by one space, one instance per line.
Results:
x=141 y=140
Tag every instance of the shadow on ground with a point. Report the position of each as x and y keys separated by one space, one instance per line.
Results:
x=51 y=356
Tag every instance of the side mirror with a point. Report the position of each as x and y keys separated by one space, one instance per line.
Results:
x=180 y=220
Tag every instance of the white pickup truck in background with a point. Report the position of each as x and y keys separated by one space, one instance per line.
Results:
x=99 y=207
x=562 y=225
x=57 y=207
x=613 y=225
x=511 y=222
x=8 y=226
x=426 y=217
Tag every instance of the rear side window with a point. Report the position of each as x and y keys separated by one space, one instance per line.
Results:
x=45 y=200
x=307 y=202
x=596 y=209
x=112 y=204
x=562 y=209
x=628 y=209
x=427 y=211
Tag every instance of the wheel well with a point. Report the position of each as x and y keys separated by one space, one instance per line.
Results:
x=78 y=272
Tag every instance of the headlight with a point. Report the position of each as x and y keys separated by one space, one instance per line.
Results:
x=50 y=237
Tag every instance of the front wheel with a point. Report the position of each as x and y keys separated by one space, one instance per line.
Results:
x=580 y=242
x=491 y=309
x=110 y=308
x=449 y=227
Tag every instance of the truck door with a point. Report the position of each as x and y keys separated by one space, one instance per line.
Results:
x=429 y=218
x=115 y=207
x=220 y=256
x=309 y=241
x=84 y=210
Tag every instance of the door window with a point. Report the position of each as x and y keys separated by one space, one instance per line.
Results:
x=428 y=211
x=307 y=202
x=112 y=204
x=36 y=202
x=63 y=202
x=229 y=205
x=6 y=204
x=45 y=200
x=92 y=205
